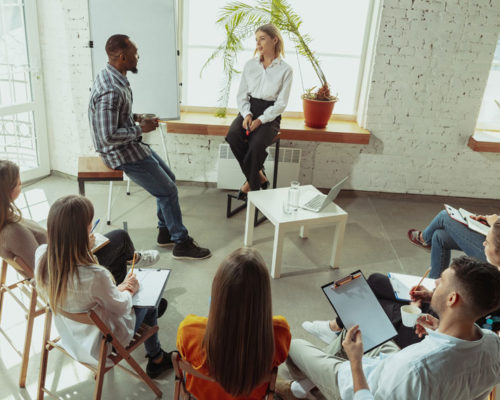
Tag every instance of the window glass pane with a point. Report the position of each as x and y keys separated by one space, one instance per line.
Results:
x=337 y=33
x=18 y=140
x=490 y=108
x=15 y=87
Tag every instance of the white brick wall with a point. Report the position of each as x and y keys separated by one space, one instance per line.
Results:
x=431 y=64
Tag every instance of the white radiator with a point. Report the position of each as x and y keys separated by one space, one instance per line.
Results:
x=229 y=175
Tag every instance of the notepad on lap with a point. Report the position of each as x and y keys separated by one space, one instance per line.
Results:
x=402 y=283
x=355 y=303
x=100 y=242
x=464 y=217
x=152 y=283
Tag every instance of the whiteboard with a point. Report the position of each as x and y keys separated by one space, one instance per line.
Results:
x=151 y=25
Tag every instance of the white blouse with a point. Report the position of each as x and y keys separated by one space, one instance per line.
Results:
x=95 y=290
x=272 y=83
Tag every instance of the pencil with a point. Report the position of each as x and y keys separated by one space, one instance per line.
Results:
x=421 y=280
x=133 y=263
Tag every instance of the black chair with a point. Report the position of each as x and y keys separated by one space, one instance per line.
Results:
x=230 y=211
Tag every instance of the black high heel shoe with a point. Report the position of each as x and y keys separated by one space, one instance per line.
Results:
x=242 y=195
x=264 y=185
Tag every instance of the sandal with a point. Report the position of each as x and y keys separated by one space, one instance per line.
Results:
x=414 y=237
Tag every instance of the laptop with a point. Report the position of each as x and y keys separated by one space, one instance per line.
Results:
x=320 y=201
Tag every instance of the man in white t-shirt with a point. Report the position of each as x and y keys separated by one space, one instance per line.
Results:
x=457 y=360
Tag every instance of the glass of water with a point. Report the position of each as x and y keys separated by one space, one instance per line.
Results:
x=294 y=196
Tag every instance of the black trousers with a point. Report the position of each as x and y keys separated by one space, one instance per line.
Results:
x=381 y=286
x=116 y=253
x=250 y=151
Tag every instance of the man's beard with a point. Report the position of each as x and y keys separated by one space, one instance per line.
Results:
x=134 y=70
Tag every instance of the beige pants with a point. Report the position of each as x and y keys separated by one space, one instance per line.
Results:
x=321 y=366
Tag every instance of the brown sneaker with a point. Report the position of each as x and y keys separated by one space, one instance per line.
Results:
x=284 y=390
x=414 y=237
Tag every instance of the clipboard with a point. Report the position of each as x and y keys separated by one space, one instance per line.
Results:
x=152 y=283
x=355 y=303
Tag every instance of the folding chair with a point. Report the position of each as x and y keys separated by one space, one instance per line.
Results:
x=182 y=367
x=118 y=353
x=26 y=287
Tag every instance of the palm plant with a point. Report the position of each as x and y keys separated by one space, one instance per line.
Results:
x=240 y=20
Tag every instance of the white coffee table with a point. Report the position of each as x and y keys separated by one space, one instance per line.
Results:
x=270 y=203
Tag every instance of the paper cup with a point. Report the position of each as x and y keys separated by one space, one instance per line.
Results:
x=409 y=315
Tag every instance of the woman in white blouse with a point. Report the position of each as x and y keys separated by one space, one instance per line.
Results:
x=262 y=98
x=69 y=276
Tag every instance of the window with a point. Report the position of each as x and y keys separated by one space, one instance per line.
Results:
x=22 y=119
x=489 y=115
x=338 y=31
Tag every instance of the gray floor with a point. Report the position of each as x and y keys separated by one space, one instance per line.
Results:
x=375 y=241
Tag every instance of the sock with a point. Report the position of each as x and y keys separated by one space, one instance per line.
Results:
x=301 y=388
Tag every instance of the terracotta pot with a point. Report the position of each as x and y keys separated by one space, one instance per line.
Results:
x=317 y=113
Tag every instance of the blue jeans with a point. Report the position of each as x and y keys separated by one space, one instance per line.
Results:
x=445 y=234
x=154 y=175
x=148 y=315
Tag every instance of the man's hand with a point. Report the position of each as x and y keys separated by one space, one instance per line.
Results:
x=247 y=121
x=91 y=241
x=255 y=124
x=353 y=344
x=130 y=283
x=488 y=219
x=425 y=321
x=138 y=118
x=420 y=293
x=149 y=125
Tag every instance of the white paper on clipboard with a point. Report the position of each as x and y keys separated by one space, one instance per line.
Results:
x=356 y=304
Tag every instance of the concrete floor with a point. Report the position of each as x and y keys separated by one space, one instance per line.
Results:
x=375 y=241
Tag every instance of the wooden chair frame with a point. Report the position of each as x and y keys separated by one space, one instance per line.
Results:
x=119 y=352
x=25 y=286
x=182 y=367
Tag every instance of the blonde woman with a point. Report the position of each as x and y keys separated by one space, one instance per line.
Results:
x=20 y=237
x=262 y=97
x=72 y=280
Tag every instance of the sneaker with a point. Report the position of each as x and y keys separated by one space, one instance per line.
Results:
x=146 y=258
x=414 y=237
x=162 y=307
x=283 y=389
x=155 y=370
x=320 y=329
x=189 y=250
x=163 y=239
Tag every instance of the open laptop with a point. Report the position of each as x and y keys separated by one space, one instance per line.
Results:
x=320 y=201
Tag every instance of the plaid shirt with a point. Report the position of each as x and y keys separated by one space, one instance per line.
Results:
x=116 y=136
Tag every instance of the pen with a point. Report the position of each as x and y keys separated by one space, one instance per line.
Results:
x=133 y=263
x=421 y=280
x=98 y=220
x=248 y=132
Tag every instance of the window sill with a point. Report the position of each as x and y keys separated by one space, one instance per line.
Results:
x=291 y=128
x=485 y=141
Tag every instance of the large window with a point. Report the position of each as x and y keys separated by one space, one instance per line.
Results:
x=336 y=26
x=22 y=115
x=489 y=116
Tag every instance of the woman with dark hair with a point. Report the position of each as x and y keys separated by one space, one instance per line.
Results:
x=20 y=237
x=240 y=342
x=262 y=97
x=69 y=276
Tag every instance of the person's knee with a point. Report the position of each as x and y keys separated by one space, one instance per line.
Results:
x=440 y=238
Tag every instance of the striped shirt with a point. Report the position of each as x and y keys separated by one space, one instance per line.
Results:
x=116 y=136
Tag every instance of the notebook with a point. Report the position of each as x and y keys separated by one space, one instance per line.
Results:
x=313 y=201
x=464 y=217
x=402 y=283
x=152 y=283
x=100 y=242
x=355 y=303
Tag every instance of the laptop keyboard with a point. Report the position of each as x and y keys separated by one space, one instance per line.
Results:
x=315 y=202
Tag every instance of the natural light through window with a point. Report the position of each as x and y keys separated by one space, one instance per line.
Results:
x=336 y=27
x=34 y=205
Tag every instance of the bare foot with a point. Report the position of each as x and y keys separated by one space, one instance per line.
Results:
x=245 y=188
x=262 y=177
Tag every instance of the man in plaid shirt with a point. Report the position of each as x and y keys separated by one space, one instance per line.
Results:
x=118 y=140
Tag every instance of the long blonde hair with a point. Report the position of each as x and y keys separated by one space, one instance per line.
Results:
x=239 y=337
x=67 y=247
x=9 y=176
x=273 y=32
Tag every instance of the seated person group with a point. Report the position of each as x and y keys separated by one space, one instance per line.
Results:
x=448 y=355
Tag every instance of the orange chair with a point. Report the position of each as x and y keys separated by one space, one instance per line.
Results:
x=25 y=286
x=182 y=367
x=118 y=354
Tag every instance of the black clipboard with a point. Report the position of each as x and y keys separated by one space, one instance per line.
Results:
x=355 y=303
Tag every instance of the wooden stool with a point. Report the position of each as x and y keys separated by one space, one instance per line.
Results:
x=94 y=169
x=230 y=212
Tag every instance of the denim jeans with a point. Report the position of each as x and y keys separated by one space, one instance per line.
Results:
x=154 y=175
x=148 y=315
x=445 y=234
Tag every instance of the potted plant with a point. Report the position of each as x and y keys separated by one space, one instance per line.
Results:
x=240 y=20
